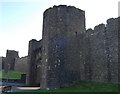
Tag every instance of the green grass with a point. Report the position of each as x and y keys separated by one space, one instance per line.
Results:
x=88 y=86
x=10 y=75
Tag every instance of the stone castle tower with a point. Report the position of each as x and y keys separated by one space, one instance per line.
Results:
x=63 y=31
x=11 y=56
x=68 y=52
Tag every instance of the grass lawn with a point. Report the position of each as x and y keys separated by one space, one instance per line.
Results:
x=81 y=87
x=10 y=74
x=88 y=86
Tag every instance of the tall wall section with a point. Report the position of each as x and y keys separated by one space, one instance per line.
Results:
x=63 y=35
x=102 y=52
x=112 y=49
x=34 y=62
x=119 y=49
x=97 y=53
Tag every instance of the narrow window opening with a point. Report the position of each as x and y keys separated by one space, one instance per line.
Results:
x=76 y=33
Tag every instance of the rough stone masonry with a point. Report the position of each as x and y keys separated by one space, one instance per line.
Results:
x=68 y=52
x=9 y=63
x=62 y=37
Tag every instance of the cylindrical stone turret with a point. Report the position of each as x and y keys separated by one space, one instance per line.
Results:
x=62 y=49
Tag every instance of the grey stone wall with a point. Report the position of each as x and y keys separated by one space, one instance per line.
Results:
x=63 y=33
x=112 y=48
x=98 y=59
x=102 y=52
x=11 y=55
x=118 y=49
x=34 y=62
x=0 y=63
x=3 y=62
x=21 y=65
x=88 y=55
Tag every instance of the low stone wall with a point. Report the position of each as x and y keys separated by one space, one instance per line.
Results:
x=21 y=65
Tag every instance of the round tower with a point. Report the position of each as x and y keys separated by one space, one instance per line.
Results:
x=62 y=49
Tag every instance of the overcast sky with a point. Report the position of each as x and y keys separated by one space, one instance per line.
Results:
x=21 y=20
